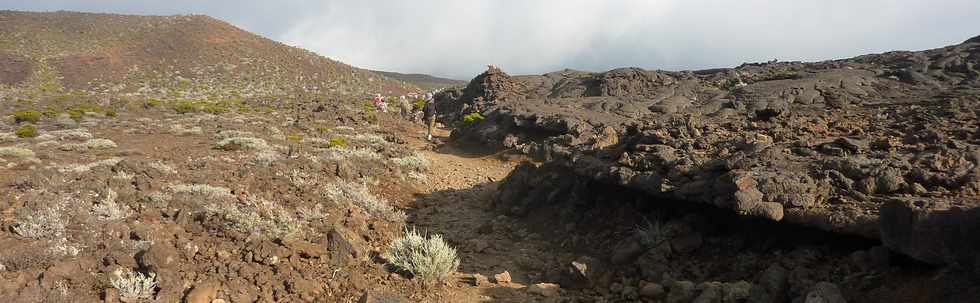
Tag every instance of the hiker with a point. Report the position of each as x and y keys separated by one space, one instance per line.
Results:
x=429 y=114
x=379 y=102
x=405 y=108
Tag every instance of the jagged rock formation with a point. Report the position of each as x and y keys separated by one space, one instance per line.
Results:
x=884 y=146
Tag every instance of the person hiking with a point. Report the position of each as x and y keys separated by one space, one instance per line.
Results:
x=405 y=108
x=379 y=103
x=429 y=114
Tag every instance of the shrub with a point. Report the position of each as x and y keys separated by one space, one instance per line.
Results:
x=183 y=107
x=337 y=142
x=91 y=144
x=354 y=193
x=416 y=162
x=108 y=209
x=26 y=131
x=153 y=102
x=294 y=137
x=29 y=116
x=42 y=223
x=111 y=112
x=134 y=286
x=472 y=117
x=428 y=258
x=212 y=192
x=16 y=152
x=255 y=215
x=236 y=143
x=81 y=168
x=214 y=108
x=50 y=112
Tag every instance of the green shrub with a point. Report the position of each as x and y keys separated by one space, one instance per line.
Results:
x=111 y=112
x=26 y=131
x=153 y=102
x=472 y=117
x=214 y=108
x=337 y=142
x=368 y=106
x=294 y=137
x=29 y=116
x=418 y=104
x=372 y=118
x=183 y=107
x=428 y=258
x=50 y=112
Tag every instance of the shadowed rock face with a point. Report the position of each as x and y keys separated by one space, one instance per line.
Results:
x=883 y=146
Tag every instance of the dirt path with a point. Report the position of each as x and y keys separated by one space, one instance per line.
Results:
x=456 y=203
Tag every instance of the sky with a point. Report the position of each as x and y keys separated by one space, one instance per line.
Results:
x=458 y=38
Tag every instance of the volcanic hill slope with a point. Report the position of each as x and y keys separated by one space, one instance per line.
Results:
x=883 y=146
x=189 y=57
x=426 y=82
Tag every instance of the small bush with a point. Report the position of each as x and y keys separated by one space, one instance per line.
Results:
x=42 y=223
x=255 y=215
x=153 y=102
x=337 y=142
x=108 y=209
x=472 y=117
x=134 y=286
x=91 y=144
x=16 y=152
x=50 y=112
x=81 y=168
x=214 y=108
x=111 y=112
x=183 y=107
x=415 y=162
x=236 y=143
x=211 y=192
x=29 y=116
x=294 y=137
x=358 y=194
x=428 y=258
x=26 y=131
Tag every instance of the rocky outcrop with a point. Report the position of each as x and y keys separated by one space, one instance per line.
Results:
x=883 y=146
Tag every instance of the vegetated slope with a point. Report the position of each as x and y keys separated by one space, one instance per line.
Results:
x=165 y=56
x=426 y=82
x=885 y=146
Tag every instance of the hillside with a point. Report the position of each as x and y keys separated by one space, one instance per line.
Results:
x=426 y=82
x=189 y=57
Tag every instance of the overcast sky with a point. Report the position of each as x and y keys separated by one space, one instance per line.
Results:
x=457 y=38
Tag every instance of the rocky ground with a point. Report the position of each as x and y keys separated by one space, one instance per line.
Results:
x=879 y=147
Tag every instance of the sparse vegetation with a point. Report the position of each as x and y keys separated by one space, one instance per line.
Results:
x=91 y=144
x=28 y=116
x=46 y=222
x=472 y=117
x=337 y=142
x=81 y=168
x=255 y=215
x=107 y=209
x=183 y=107
x=236 y=143
x=26 y=131
x=134 y=285
x=430 y=259
x=204 y=190
x=415 y=162
x=16 y=152
x=343 y=192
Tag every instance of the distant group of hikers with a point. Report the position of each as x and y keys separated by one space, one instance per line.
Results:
x=423 y=108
